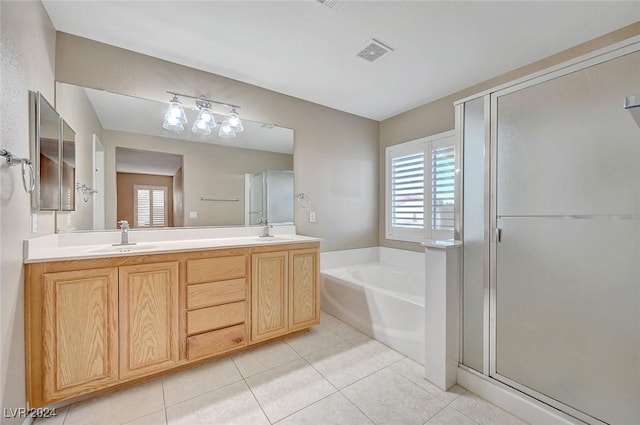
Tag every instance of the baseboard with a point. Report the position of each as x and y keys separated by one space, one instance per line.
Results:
x=514 y=402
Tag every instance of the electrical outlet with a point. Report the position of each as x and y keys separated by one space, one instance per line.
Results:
x=312 y=217
x=34 y=222
x=193 y=214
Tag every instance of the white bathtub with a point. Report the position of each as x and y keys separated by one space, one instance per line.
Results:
x=379 y=291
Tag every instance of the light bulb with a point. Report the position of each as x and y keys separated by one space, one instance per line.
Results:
x=234 y=121
x=176 y=110
x=201 y=127
x=206 y=116
x=173 y=124
x=226 y=131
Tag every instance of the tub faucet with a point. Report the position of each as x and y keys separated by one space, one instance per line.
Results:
x=124 y=240
x=265 y=228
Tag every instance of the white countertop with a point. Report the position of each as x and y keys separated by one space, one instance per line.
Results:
x=88 y=245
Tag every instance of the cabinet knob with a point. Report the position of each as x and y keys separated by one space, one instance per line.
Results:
x=237 y=340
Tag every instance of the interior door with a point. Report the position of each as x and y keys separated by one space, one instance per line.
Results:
x=566 y=261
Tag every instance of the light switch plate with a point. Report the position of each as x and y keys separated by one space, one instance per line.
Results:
x=312 y=216
x=193 y=214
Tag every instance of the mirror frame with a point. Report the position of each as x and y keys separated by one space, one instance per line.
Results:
x=37 y=102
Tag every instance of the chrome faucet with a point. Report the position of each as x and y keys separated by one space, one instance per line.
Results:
x=124 y=226
x=265 y=228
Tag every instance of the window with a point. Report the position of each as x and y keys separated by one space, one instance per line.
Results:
x=150 y=206
x=420 y=195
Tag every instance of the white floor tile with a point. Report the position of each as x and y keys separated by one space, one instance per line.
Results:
x=318 y=338
x=264 y=358
x=230 y=405
x=286 y=389
x=415 y=373
x=338 y=327
x=157 y=418
x=482 y=411
x=333 y=410
x=119 y=407
x=377 y=350
x=193 y=382
x=450 y=416
x=388 y=398
x=343 y=364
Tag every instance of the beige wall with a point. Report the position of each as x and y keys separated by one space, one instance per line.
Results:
x=210 y=171
x=336 y=154
x=28 y=47
x=73 y=105
x=438 y=116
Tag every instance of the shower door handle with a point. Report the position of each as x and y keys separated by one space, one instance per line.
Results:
x=497 y=235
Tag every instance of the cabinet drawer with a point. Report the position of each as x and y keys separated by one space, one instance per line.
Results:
x=217 y=317
x=215 y=342
x=214 y=293
x=213 y=269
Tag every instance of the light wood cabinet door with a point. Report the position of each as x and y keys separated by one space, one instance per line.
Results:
x=304 y=308
x=80 y=331
x=269 y=295
x=148 y=318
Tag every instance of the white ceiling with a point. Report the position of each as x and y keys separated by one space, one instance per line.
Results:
x=147 y=162
x=307 y=50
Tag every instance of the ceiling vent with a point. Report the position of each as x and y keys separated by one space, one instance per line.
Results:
x=373 y=50
x=328 y=3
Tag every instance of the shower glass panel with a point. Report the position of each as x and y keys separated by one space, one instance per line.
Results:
x=280 y=196
x=256 y=204
x=567 y=266
x=271 y=197
x=473 y=326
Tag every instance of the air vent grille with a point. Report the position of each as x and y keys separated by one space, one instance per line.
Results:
x=374 y=50
x=328 y=3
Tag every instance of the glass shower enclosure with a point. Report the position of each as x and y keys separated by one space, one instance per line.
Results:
x=551 y=232
x=271 y=197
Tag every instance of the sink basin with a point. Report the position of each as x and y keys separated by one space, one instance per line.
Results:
x=124 y=248
x=274 y=239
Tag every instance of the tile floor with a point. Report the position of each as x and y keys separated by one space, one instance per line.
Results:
x=330 y=375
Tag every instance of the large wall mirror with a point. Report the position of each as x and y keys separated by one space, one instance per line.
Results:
x=152 y=177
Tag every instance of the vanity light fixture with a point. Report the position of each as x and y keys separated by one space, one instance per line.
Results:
x=175 y=118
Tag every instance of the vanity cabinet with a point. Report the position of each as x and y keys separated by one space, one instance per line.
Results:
x=269 y=286
x=285 y=292
x=101 y=326
x=94 y=324
x=304 y=288
x=217 y=313
x=80 y=331
x=148 y=313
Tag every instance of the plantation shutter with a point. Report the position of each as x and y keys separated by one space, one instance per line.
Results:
x=158 y=218
x=420 y=182
x=407 y=191
x=150 y=206
x=442 y=187
x=143 y=200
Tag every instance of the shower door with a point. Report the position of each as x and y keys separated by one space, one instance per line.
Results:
x=565 y=250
